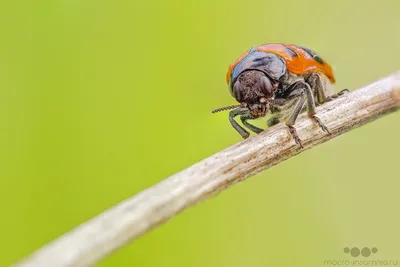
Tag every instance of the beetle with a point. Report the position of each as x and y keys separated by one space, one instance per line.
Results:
x=282 y=79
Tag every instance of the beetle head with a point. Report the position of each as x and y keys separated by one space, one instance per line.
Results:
x=254 y=88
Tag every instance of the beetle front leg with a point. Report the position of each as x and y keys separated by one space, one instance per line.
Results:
x=238 y=128
x=244 y=118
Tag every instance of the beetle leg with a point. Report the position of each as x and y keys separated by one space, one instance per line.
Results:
x=238 y=128
x=276 y=110
x=293 y=116
x=311 y=106
x=315 y=82
x=322 y=93
x=253 y=128
x=342 y=92
x=273 y=121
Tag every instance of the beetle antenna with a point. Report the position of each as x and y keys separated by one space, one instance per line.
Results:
x=227 y=108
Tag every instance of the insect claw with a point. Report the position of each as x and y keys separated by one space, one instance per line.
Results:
x=295 y=136
x=320 y=124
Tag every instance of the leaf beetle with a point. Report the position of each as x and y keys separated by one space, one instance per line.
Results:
x=281 y=79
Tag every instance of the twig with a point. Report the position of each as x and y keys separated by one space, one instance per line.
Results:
x=128 y=220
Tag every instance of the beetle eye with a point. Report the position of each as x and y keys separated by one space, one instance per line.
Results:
x=237 y=91
x=266 y=85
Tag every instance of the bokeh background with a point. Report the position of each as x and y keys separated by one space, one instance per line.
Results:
x=102 y=99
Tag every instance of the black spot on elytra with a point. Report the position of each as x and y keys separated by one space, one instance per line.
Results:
x=293 y=53
x=313 y=55
x=319 y=60
x=261 y=61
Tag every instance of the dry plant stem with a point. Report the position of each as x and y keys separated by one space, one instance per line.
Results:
x=126 y=221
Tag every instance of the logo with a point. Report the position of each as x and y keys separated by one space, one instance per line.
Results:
x=355 y=252
x=361 y=256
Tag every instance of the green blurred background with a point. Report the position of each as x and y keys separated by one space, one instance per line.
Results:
x=102 y=99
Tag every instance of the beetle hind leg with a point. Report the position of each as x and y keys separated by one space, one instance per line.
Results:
x=340 y=93
x=320 y=86
x=323 y=89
